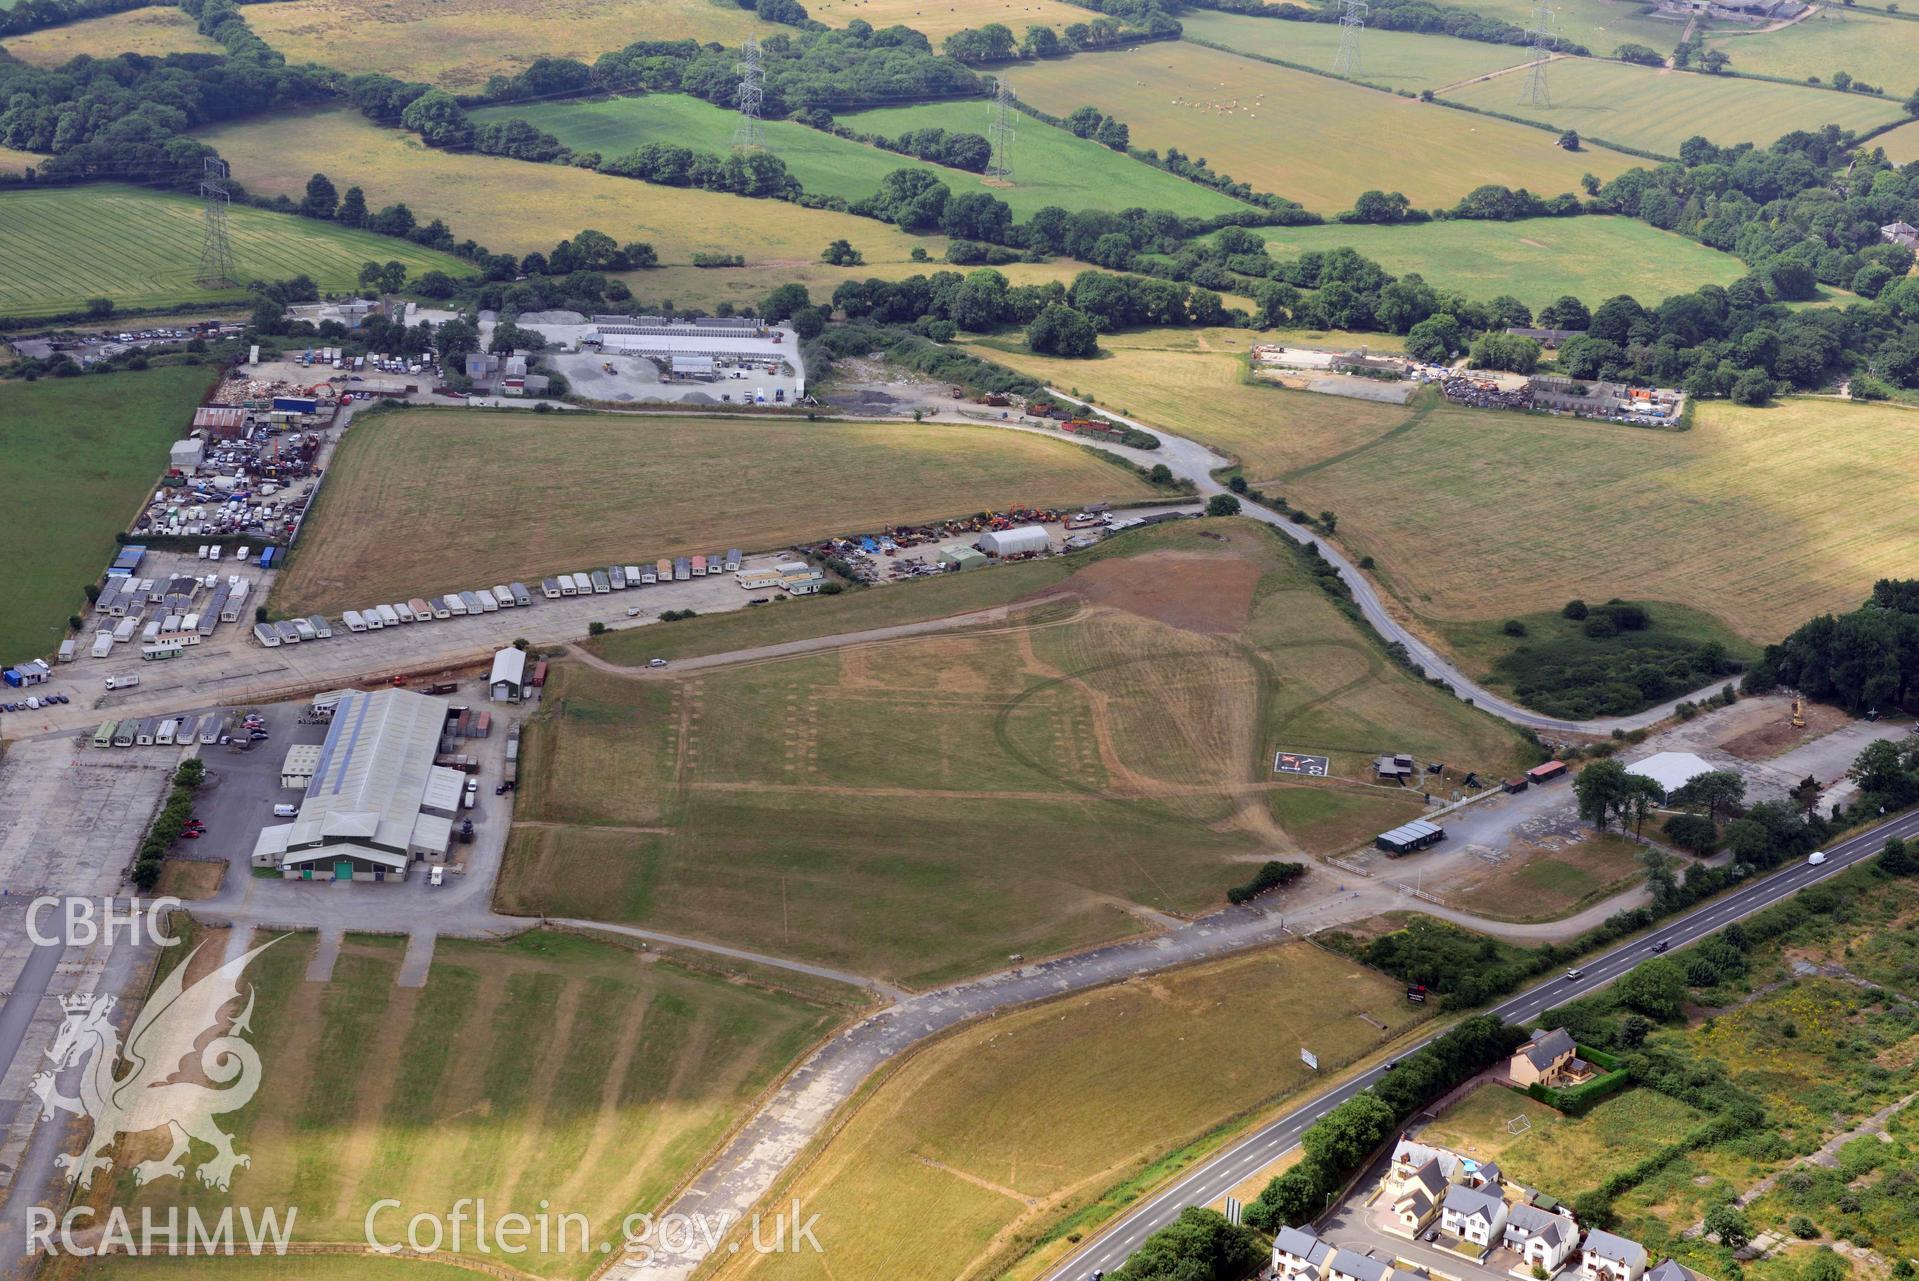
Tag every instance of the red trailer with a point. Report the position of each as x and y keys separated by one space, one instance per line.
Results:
x=539 y=674
x=1547 y=772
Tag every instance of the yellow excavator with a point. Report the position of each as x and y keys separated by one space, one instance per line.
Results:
x=1798 y=713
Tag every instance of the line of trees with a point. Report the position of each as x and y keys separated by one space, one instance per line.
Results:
x=1864 y=660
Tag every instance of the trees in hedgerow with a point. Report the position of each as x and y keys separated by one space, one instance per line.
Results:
x=1060 y=330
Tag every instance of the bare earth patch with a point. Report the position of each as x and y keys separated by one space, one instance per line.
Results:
x=1208 y=594
x=1776 y=736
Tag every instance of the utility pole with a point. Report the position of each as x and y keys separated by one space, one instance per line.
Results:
x=1352 y=21
x=749 y=132
x=1000 y=131
x=1535 y=93
x=216 y=249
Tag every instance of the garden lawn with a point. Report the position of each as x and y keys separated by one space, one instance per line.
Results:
x=65 y=245
x=379 y=530
x=1318 y=141
x=1535 y=260
x=77 y=457
x=518 y=206
x=1656 y=109
x=1396 y=59
x=1559 y=1155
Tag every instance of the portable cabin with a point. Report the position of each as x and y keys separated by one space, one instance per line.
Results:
x=422 y=612
x=67 y=648
x=124 y=732
x=567 y=587
x=1410 y=837
x=503 y=596
x=440 y=607
x=289 y=634
x=102 y=644
x=616 y=575
x=487 y=604
x=123 y=631
x=303 y=630
x=144 y=730
x=404 y=610
x=634 y=576
x=521 y=596
x=163 y=736
x=699 y=567
x=663 y=570
x=389 y=616
x=601 y=584
x=185 y=733
x=371 y=617
x=456 y=604
x=150 y=634
x=733 y=559
x=103 y=737
x=472 y=602
x=682 y=569
x=550 y=588
x=267 y=634
x=353 y=621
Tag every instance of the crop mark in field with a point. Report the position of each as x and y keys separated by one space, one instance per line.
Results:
x=985 y=1184
x=1418 y=416
x=389 y=1046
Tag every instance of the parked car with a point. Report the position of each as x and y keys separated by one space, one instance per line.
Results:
x=656 y=662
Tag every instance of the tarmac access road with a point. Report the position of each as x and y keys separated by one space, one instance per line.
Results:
x=1193 y=461
x=1221 y=1173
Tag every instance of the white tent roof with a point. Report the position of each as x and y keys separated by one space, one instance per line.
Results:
x=1672 y=770
x=508 y=665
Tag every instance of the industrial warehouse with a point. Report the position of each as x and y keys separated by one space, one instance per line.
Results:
x=375 y=801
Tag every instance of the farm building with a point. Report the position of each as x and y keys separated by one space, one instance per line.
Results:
x=376 y=800
x=960 y=556
x=1900 y=233
x=1018 y=541
x=303 y=759
x=697 y=348
x=1671 y=770
x=185 y=455
x=507 y=684
x=1411 y=837
x=223 y=422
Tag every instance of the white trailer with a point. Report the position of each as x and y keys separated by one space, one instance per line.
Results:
x=616 y=574
x=472 y=602
x=124 y=630
x=600 y=584
x=422 y=612
x=456 y=604
x=353 y=621
x=267 y=635
x=164 y=735
x=321 y=628
x=102 y=644
x=503 y=596
x=404 y=610
x=389 y=617
x=487 y=604
x=567 y=586
x=66 y=650
x=550 y=588
x=305 y=630
x=372 y=618
x=440 y=607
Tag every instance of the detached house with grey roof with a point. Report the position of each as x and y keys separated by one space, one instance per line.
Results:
x=1474 y=1215
x=1299 y=1255
x=1550 y=1058
x=1350 y=1265
x=1540 y=1238
x=1605 y=1257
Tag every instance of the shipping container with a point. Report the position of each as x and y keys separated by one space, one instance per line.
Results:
x=389 y=616
x=353 y=621
x=550 y=588
x=600 y=584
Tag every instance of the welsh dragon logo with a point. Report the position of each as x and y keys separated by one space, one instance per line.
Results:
x=170 y=1034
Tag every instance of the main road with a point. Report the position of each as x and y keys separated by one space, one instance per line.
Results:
x=1220 y=1173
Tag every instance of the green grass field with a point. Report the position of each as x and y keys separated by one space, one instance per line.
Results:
x=920 y=808
x=459 y=43
x=545 y=1070
x=519 y=207
x=1600 y=25
x=65 y=246
x=1318 y=141
x=1061 y=169
x=12 y=161
x=1536 y=260
x=1561 y=1155
x=379 y=532
x=1004 y=1129
x=1901 y=144
x=155 y=32
x=77 y=456
x=1052 y=167
x=1657 y=109
x=1397 y=59
x=1879 y=50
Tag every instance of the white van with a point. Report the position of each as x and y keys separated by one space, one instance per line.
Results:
x=436 y=876
x=286 y=811
x=1816 y=858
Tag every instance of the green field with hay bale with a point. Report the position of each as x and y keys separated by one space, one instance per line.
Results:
x=1656 y=108
x=918 y=808
x=1535 y=260
x=520 y=207
x=457 y=44
x=1396 y=59
x=1318 y=141
x=138 y=248
x=77 y=457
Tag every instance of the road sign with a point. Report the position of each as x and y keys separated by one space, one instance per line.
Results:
x=1295 y=763
x=1310 y=1059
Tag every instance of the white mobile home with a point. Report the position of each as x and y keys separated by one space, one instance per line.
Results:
x=353 y=621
